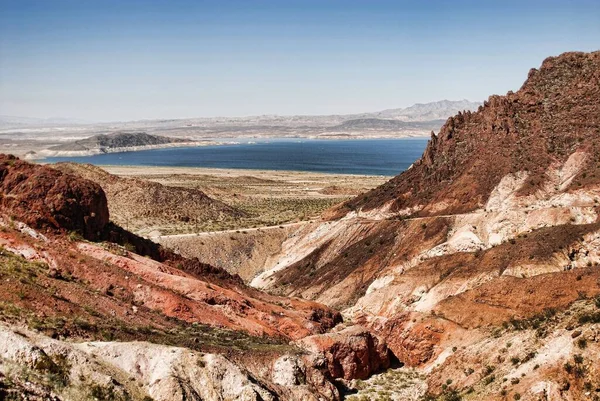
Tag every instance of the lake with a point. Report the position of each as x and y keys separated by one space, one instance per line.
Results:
x=361 y=156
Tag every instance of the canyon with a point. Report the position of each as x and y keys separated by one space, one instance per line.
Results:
x=474 y=274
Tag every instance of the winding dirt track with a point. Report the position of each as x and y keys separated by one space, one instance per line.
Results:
x=209 y=233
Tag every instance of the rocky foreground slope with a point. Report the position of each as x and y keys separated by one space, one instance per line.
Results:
x=480 y=264
x=85 y=319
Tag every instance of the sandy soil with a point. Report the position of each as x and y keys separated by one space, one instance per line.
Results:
x=270 y=198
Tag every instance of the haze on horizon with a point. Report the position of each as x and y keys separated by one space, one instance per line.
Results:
x=127 y=60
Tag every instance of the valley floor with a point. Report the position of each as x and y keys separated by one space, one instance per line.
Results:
x=270 y=198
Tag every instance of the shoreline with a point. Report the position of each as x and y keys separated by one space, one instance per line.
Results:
x=33 y=150
x=46 y=153
x=142 y=170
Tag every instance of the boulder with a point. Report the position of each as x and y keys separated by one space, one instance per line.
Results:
x=351 y=353
x=46 y=198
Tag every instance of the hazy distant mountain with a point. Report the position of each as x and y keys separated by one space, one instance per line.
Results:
x=16 y=121
x=386 y=124
x=439 y=110
x=428 y=111
x=52 y=137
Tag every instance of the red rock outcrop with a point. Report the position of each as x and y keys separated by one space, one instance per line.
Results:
x=553 y=114
x=185 y=289
x=45 y=198
x=351 y=353
x=416 y=343
x=491 y=239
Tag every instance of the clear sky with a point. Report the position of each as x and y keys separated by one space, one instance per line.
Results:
x=103 y=60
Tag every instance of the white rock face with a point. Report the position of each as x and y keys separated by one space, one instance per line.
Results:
x=506 y=215
x=165 y=373
x=16 y=348
x=172 y=373
x=288 y=371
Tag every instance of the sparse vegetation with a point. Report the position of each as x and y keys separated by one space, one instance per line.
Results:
x=260 y=200
x=489 y=379
x=388 y=385
x=589 y=317
x=75 y=236
x=88 y=323
x=534 y=322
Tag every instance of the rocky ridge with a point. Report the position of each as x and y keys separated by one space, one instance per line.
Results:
x=42 y=197
x=492 y=235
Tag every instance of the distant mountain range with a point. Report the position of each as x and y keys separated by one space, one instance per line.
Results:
x=428 y=111
x=16 y=121
x=439 y=110
x=34 y=138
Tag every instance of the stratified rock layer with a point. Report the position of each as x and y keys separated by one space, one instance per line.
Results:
x=495 y=229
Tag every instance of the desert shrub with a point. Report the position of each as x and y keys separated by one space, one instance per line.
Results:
x=59 y=371
x=589 y=317
x=534 y=322
x=74 y=236
x=530 y=355
x=451 y=395
x=568 y=367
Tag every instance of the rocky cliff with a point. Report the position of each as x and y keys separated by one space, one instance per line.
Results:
x=491 y=238
x=553 y=114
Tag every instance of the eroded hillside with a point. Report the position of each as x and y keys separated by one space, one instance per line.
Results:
x=491 y=238
x=145 y=206
x=96 y=319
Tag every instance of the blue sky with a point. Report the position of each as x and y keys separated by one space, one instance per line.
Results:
x=123 y=60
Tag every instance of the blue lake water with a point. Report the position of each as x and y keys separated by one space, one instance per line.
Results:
x=368 y=156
